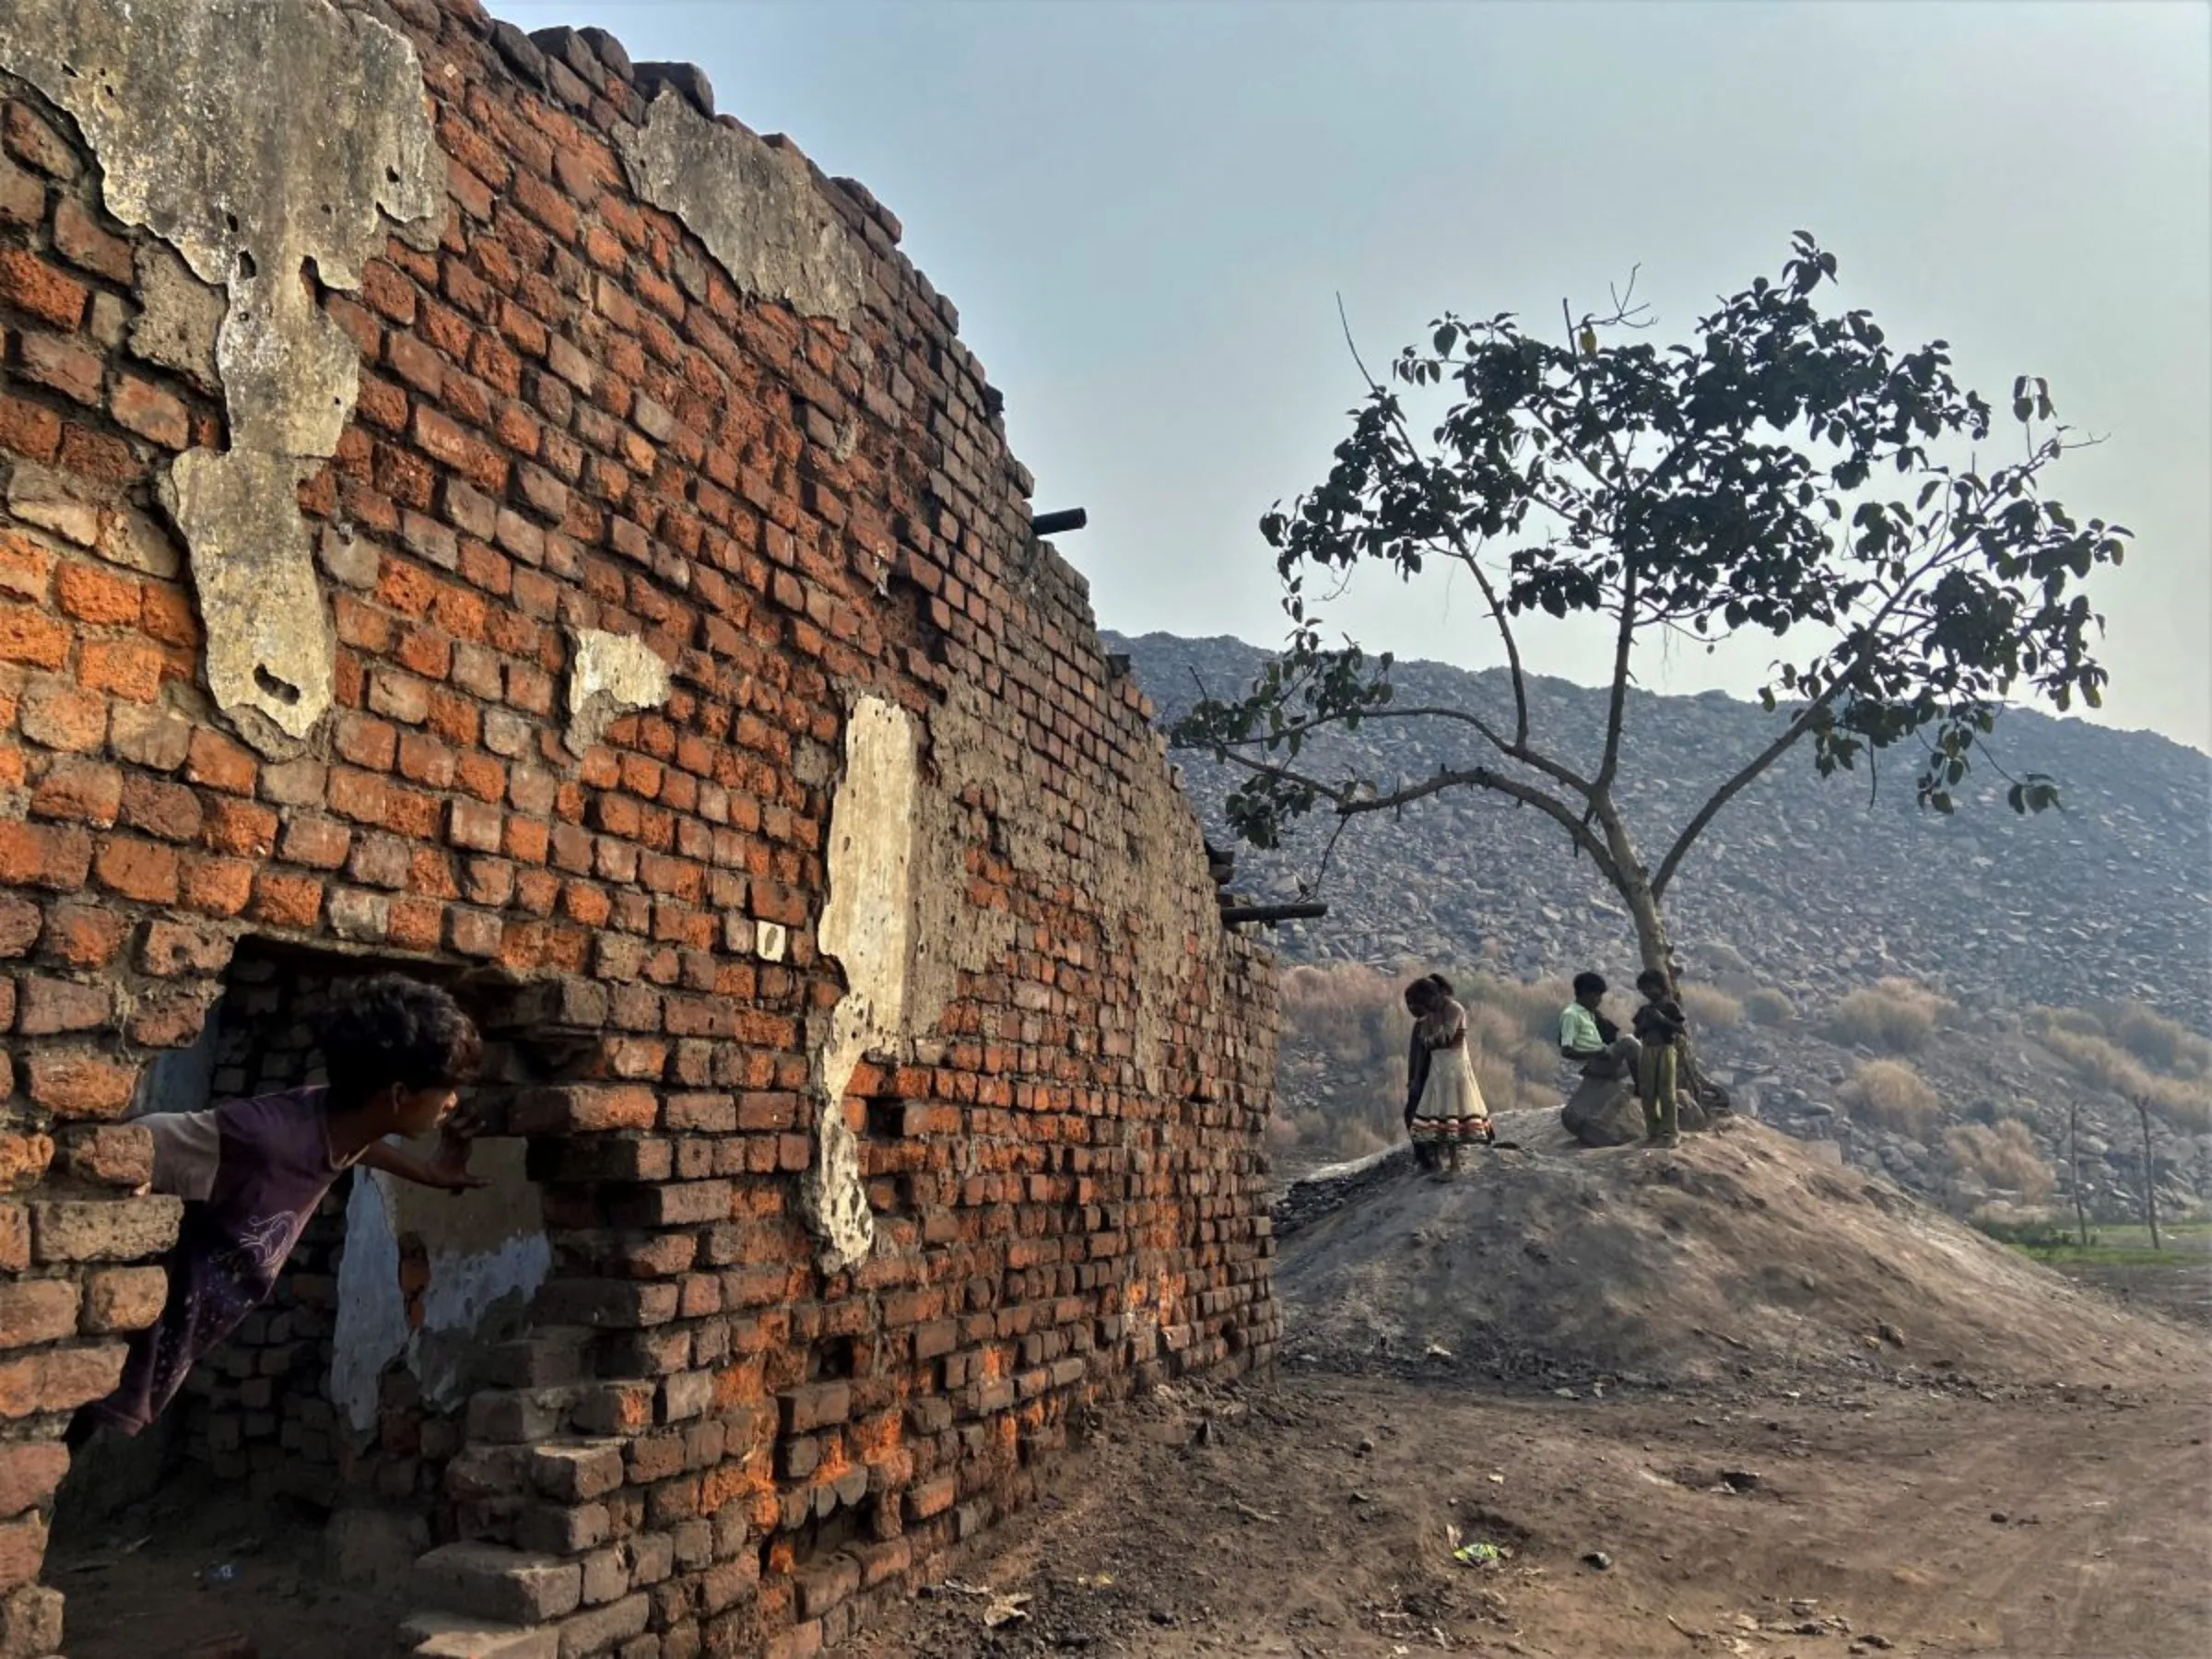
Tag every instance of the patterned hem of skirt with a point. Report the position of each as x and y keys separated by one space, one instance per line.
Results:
x=1451 y=1128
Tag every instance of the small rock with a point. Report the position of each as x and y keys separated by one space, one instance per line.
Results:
x=1890 y=1334
x=1599 y=1560
x=1366 y=1446
x=1999 y=1516
x=1740 y=1480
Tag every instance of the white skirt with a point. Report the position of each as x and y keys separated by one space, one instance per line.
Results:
x=1451 y=1105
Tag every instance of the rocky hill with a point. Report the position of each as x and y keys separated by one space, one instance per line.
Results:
x=1813 y=886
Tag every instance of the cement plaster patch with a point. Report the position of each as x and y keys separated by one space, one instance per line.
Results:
x=867 y=927
x=194 y=110
x=754 y=207
x=609 y=675
x=486 y=1252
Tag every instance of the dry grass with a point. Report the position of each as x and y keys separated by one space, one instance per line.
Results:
x=1894 y=1016
x=1346 y=1025
x=2004 y=1157
x=2184 y=1101
x=2163 y=1044
x=1715 y=1010
x=1769 y=1008
x=1891 y=1093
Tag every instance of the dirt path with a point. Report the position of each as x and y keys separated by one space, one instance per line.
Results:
x=1870 y=1524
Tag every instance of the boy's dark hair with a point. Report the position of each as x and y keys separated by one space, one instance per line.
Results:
x=1653 y=983
x=389 y=1028
x=1443 y=985
x=1589 y=984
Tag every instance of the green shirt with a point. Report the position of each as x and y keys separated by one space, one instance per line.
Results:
x=1577 y=1031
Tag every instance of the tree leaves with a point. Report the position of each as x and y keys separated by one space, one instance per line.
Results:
x=1732 y=481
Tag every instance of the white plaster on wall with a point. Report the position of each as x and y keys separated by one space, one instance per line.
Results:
x=609 y=675
x=370 y=1330
x=867 y=926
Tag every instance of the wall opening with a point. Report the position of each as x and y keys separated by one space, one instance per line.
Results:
x=311 y=1445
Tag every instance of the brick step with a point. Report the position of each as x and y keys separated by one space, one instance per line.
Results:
x=490 y=1582
x=515 y=1417
x=453 y=1636
x=549 y=1357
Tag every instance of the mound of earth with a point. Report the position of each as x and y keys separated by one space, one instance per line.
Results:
x=1742 y=1252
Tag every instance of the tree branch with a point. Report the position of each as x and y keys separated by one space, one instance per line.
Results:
x=1347 y=803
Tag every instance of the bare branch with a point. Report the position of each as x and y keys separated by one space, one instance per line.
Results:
x=1349 y=802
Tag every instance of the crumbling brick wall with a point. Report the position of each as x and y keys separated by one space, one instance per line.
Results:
x=545 y=531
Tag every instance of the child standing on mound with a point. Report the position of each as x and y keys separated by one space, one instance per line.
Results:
x=1659 y=1026
x=1444 y=1109
x=252 y=1172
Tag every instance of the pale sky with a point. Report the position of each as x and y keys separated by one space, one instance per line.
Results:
x=1143 y=212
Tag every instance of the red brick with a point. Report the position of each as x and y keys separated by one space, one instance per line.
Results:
x=24 y=1159
x=49 y=1005
x=127 y=668
x=84 y=935
x=36 y=1310
x=29 y=284
x=221 y=764
x=245 y=828
x=317 y=842
x=150 y=412
x=284 y=901
x=62 y=717
x=124 y=1298
x=138 y=869
x=32 y=141
x=73 y=1083
x=27 y=429
x=216 y=887
x=110 y=1155
x=43 y=855
x=28 y=635
x=84 y=792
x=174 y=947
x=26 y=568
x=62 y=366
x=167 y=1018
x=100 y=457
x=22 y=1550
x=29 y=1473
x=58 y=1380
x=78 y=239
x=92 y=595
x=169 y=811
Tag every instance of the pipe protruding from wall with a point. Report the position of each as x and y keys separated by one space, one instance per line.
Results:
x=1052 y=524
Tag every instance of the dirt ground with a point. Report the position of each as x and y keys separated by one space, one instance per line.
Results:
x=1719 y=1400
x=1658 y=1384
x=1313 y=1517
x=199 y=1563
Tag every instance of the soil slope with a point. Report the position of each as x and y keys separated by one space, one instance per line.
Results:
x=1741 y=1253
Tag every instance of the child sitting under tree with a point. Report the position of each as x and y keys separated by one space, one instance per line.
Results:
x=251 y=1173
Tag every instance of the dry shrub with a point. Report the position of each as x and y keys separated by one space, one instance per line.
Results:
x=1350 y=1012
x=2185 y=1102
x=2004 y=1157
x=1893 y=1015
x=1715 y=1010
x=1532 y=1006
x=1768 y=1008
x=1891 y=1093
x=2163 y=1044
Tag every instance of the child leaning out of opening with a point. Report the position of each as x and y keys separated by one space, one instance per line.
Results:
x=1444 y=1109
x=251 y=1173
x=1659 y=1026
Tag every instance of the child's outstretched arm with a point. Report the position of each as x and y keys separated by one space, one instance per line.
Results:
x=446 y=1169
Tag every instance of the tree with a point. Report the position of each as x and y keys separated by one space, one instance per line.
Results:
x=2150 y=1172
x=1702 y=491
x=2081 y=1213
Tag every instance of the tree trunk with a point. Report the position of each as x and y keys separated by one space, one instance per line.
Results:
x=2081 y=1214
x=1655 y=949
x=2150 y=1176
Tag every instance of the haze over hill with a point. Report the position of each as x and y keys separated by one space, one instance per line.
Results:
x=1816 y=885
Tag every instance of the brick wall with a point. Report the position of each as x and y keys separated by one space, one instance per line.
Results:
x=570 y=417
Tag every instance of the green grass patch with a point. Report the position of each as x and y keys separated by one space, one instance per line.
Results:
x=2109 y=1255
